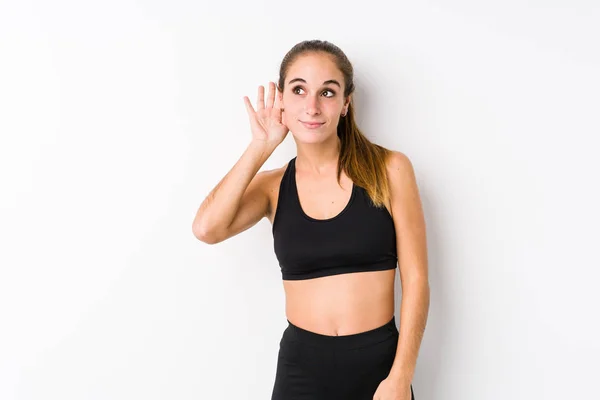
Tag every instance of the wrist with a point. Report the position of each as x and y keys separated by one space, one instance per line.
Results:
x=261 y=149
x=400 y=375
x=263 y=144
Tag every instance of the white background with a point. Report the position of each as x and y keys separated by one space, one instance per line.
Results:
x=118 y=117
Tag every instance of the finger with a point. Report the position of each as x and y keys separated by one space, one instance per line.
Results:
x=249 y=107
x=271 y=98
x=260 y=103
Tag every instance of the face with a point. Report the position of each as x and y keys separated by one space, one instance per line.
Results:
x=314 y=92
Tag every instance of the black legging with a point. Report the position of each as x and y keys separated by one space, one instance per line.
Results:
x=311 y=366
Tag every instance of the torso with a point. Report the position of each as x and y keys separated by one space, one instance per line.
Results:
x=339 y=304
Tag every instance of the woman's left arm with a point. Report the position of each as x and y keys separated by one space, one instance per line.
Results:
x=409 y=222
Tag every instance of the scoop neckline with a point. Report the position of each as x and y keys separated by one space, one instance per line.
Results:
x=308 y=217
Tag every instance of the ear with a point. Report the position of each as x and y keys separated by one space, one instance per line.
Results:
x=347 y=103
x=348 y=100
x=280 y=99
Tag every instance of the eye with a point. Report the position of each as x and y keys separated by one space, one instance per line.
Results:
x=295 y=89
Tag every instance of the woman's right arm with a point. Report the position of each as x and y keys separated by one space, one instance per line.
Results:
x=239 y=200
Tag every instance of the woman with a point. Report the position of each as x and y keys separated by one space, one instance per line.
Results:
x=345 y=212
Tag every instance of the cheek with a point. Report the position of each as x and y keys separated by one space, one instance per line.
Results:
x=290 y=103
x=288 y=117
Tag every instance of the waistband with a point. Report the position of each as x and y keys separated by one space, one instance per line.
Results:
x=361 y=339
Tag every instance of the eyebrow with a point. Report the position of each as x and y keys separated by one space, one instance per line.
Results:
x=324 y=83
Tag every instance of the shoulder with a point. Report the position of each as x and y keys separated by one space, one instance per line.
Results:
x=400 y=170
x=270 y=181
x=404 y=192
x=271 y=178
x=398 y=163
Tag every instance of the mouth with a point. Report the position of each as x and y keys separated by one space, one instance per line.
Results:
x=312 y=125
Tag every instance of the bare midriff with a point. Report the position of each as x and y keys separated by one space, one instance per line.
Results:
x=344 y=304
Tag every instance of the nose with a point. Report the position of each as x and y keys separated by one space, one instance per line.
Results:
x=312 y=106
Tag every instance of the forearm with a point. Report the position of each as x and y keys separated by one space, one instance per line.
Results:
x=413 y=319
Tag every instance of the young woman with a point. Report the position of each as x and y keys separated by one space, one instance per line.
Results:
x=345 y=212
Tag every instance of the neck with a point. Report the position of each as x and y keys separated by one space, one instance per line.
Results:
x=319 y=157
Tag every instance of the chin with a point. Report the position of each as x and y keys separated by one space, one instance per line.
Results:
x=303 y=135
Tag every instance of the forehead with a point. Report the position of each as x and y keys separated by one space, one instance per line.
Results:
x=315 y=68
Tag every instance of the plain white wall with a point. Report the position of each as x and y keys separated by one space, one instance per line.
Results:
x=117 y=118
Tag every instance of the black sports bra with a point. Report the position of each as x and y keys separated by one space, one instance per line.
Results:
x=360 y=238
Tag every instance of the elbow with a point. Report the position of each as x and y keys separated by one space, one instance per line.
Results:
x=205 y=235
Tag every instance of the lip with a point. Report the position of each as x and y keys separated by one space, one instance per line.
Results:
x=312 y=125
